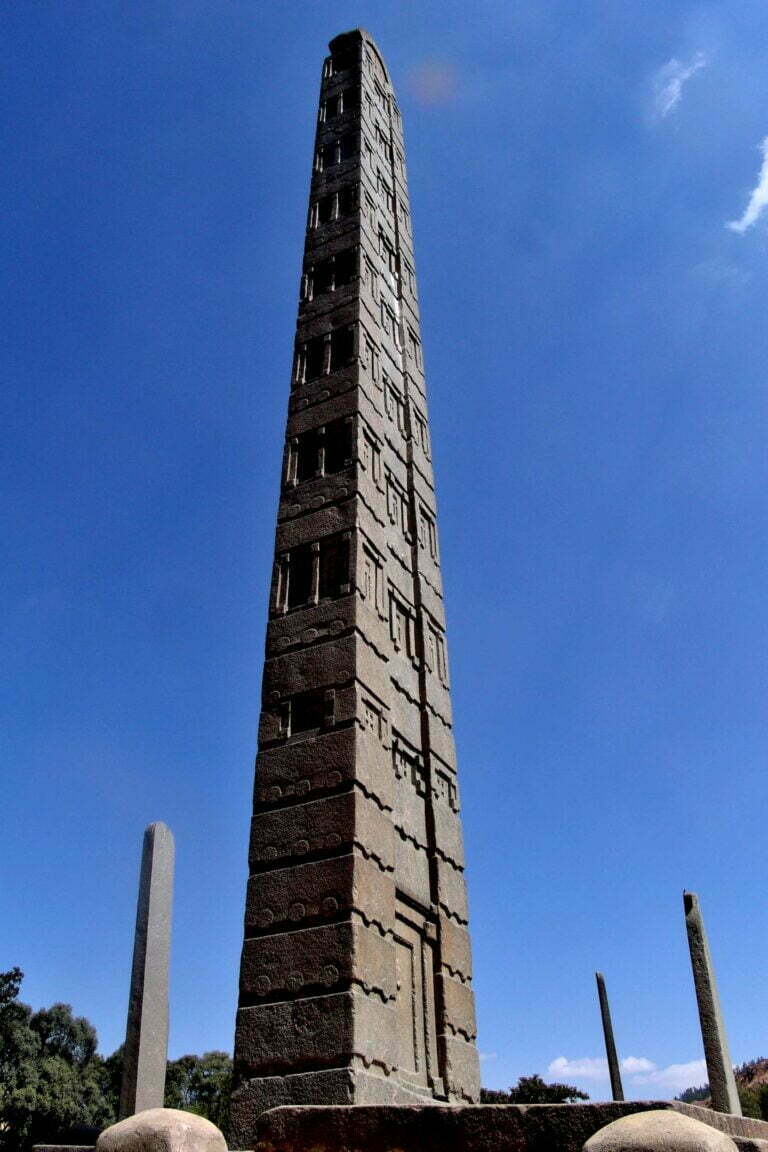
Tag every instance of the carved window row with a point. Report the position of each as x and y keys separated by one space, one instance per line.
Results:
x=347 y=100
x=331 y=273
x=340 y=61
x=308 y=711
x=337 y=151
x=320 y=451
x=334 y=206
x=323 y=354
x=314 y=572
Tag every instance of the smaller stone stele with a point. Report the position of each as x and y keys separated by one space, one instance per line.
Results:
x=660 y=1130
x=162 y=1130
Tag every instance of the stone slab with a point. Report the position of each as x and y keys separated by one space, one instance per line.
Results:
x=471 y=1128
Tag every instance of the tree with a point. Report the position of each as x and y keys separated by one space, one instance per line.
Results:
x=51 y=1078
x=201 y=1084
x=533 y=1090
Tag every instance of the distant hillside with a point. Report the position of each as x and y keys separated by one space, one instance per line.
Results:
x=752 y=1083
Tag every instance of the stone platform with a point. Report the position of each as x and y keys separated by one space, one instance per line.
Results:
x=471 y=1128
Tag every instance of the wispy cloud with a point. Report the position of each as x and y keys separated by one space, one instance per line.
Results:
x=669 y=81
x=485 y=1056
x=758 y=197
x=638 y=1072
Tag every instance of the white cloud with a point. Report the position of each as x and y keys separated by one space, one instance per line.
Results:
x=758 y=198
x=674 y=1078
x=633 y=1065
x=638 y=1072
x=585 y=1068
x=488 y=1056
x=669 y=80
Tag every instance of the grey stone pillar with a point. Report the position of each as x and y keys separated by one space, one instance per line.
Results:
x=722 y=1083
x=617 y=1091
x=146 y=1037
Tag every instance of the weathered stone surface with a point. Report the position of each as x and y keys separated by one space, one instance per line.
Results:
x=658 y=1131
x=354 y=985
x=146 y=1037
x=162 y=1130
x=288 y=898
x=436 y=1128
x=722 y=1083
x=318 y=1032
x=314 y=960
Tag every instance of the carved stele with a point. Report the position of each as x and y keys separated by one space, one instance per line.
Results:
x=355 y=984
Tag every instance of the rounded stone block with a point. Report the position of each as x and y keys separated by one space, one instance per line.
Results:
x=162 y=1130
x=660 y=1130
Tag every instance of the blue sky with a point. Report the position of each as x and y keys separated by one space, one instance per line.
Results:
x=587 y=185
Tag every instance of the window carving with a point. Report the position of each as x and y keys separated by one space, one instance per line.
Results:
x=335 y=152
x=373 y=718
x=371 y=456
x=427 y=532
x=371 y=358
x=316 y=571
x=435 y=651
x=401 y=626
x=321 y=451
x=397 y=505
x=414 y=347
x=309 y=711
x=372 y=586
x=332 y=273
x=407 y=763
x=394 y=405
x=420 y=431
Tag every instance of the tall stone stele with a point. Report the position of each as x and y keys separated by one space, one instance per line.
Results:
x=722 y=1082
x=146 y=1034
x=355 y=975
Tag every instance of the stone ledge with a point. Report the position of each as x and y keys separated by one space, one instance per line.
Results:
x=469 y=1128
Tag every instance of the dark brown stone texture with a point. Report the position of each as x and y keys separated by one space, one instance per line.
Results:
x=355 y=977
x=483 y=1128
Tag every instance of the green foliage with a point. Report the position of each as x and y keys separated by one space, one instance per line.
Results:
x=750 y=1102
x=201 y=1084
x=533 y=1090
x=51 y=1078
x=694 y=1095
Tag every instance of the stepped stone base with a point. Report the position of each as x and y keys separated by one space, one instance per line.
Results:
x=470 y=1128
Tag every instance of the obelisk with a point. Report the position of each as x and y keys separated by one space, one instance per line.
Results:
x=146 y=1037
x=617 y=1091
x=356 y=976
x=722 y=1083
